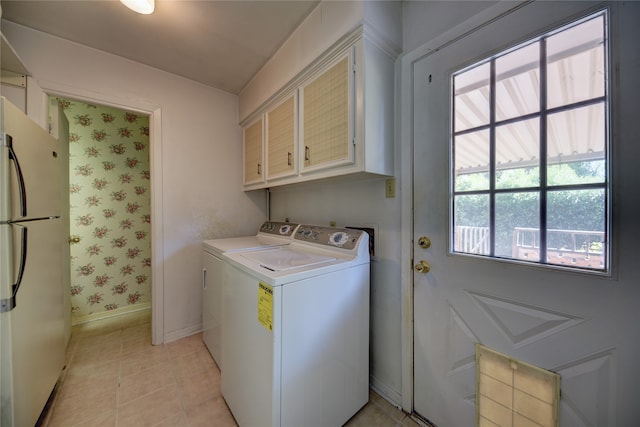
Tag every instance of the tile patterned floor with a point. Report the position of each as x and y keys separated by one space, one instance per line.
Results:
x=114 y=377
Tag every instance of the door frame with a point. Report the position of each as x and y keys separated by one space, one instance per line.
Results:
x=404 y=134
x=37 y=107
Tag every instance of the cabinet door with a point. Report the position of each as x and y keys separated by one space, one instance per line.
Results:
x=326 y=105
x=281 y=139
x=253 y=154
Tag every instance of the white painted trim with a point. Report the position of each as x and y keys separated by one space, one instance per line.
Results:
x=79 y=320
x=387 y=393
x=183 y=333
x=157 y=221
x=404 y=129
x=405 y=138
x=47 y=89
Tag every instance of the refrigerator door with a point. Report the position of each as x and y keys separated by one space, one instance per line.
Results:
x=34 y=152
x=32 y=328
x=6 y=365
x=36 y=322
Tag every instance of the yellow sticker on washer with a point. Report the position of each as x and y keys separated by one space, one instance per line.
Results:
x=265 y=305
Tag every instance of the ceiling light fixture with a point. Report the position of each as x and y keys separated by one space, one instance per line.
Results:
x=141 y=6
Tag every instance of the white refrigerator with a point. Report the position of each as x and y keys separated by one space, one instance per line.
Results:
x=32 y=340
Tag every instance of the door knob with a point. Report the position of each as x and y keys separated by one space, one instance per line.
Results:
x=422 y=267
x=74 y=239
x=424 y=242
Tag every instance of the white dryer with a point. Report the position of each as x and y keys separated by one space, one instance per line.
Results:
x=295 y=340
x=270 y=234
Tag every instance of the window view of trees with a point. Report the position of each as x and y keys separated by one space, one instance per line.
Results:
x=530 y=151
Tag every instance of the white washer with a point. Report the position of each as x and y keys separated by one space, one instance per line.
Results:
x=295 y=340
x=270 y=234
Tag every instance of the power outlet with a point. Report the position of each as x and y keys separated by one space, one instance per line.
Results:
x=390 y=188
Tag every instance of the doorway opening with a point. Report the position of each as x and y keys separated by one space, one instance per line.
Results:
x=109 y=210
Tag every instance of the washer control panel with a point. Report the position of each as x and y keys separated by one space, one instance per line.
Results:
x=330 y=236
x=284 y=229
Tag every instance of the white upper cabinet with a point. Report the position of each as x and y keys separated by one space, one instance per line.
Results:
x=281 y=139
x=253 y=151
x=335 y=118
x=326 y=109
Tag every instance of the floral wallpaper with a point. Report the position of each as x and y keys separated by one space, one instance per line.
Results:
x=110 y=207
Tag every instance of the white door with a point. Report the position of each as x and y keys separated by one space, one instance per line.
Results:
x=582 y=326
x=59 y=129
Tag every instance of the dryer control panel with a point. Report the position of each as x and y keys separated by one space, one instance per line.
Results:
x=283 y=229
x=344 y=238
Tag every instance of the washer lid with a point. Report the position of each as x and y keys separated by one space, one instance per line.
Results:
x=282 y=259
x=248 y=243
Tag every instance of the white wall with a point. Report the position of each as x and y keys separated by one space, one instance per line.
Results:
x=360 y=203
x=200 y=174
x=423 y=21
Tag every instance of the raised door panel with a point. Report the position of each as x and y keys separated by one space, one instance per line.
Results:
x=281 y=139
x=253 y=155
x=326 y=128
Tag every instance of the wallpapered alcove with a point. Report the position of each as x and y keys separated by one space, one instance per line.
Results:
x=110 y=209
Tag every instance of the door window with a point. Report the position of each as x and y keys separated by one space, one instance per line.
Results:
x=530 y=151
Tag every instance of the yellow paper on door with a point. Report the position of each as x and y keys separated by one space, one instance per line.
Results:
x=265 y=305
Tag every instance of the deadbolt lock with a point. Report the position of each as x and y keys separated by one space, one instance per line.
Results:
x=424 y=242
x=422 y=267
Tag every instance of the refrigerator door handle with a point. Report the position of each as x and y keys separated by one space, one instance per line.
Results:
x=22 y=188
x=23 y=259
x=9 y=304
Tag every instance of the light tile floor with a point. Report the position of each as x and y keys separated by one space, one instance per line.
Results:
x=114 y=377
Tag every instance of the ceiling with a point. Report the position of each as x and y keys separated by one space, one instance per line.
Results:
x=222 y=44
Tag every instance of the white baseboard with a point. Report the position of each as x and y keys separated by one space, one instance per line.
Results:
x=182 y=333
x=392 y=396
x=78 y=320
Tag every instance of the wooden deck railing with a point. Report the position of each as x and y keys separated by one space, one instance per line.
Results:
x=564 y=247
x=472 y=240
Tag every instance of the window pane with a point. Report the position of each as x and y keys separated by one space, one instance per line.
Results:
x=576 y=146
x=576 y=228
x=471 y=98
x=520 y=194
x=471 y=228
x=576 y=68
x=518 y=154
x=518 y=225
x=471 y=153
x=518 y=83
